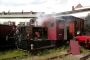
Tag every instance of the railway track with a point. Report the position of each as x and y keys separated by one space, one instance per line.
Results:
x=85 y=57
x=14 y=57
x=52 y=58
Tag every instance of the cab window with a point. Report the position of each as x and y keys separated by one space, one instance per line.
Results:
x=51 y=23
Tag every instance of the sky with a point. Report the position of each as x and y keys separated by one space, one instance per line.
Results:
x=47 y=6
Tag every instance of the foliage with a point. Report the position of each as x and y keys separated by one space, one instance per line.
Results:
x=12 y=53
x=87 y=27
x=50 y=51
x=84 y=50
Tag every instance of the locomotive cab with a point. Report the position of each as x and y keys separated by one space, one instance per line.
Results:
x=57 y=29
x=34 y=33
x=39 y=33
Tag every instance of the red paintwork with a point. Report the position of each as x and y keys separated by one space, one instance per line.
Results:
x=56 y=33
x=82 y=38
x=74 y=47
x=53 y=32
x=60 y=30
x=8 y=29
x=5 y=30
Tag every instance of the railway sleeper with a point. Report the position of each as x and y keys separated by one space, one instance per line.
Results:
x=14 y=57
x=51 y=58
x=85 y=57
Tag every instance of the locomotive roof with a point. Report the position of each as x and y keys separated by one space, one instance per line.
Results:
x=60 y=19
x=67 y=17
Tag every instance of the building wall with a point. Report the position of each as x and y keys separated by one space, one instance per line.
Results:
x=87 y=25
x=16 y=20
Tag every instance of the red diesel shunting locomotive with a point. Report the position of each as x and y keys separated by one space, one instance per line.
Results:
x=52 y=32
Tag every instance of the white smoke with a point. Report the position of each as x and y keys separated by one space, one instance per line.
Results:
x=41 y=17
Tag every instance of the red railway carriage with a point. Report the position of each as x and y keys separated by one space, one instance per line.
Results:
x=75 y=24
x=6 y=40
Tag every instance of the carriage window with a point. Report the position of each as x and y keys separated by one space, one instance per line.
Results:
x=51 y=23
x=22 y=23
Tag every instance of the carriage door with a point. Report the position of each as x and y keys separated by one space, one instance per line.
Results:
x=62 y=30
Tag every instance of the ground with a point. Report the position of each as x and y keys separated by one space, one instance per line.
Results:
x=68 y=57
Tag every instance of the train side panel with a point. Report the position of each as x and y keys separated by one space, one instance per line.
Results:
x=79 y=25
x=75 y=24
x=52 y=29
x=4 y=36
